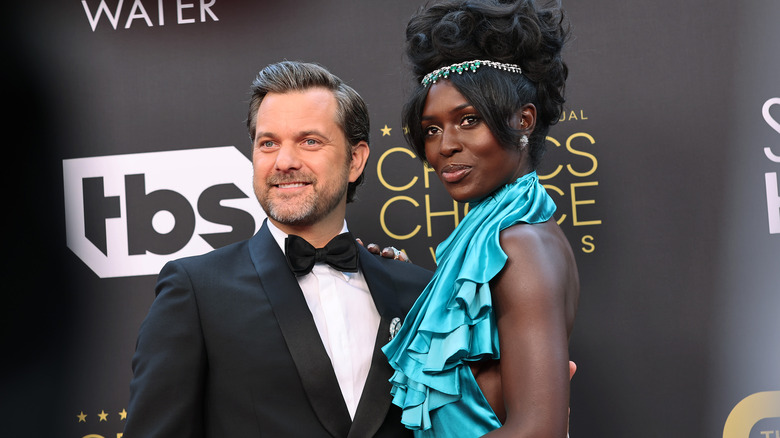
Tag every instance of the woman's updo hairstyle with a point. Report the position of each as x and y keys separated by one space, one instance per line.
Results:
x=514 y=32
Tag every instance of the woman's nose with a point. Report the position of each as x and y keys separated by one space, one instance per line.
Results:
x=450 y=142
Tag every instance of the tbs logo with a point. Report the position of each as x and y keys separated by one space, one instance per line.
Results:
x=127 y=215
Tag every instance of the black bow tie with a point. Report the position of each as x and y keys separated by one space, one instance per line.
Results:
x=341 y=253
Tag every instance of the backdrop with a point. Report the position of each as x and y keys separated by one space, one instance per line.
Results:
x=126 y=147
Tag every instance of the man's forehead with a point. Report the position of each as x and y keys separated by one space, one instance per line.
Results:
x=312 y=103
x=297 y=113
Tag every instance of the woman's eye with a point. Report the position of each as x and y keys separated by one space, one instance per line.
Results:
x=430 y=130
x=469 y=120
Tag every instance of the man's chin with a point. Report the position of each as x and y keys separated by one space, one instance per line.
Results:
x=291 y=218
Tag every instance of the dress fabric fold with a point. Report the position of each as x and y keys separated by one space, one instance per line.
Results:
x=452 y=323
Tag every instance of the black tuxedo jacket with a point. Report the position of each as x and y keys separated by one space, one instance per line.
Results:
x=229 y=349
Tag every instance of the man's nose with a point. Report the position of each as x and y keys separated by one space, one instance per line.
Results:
x=287 y=158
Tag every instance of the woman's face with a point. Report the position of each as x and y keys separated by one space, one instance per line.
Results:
x=461 y=148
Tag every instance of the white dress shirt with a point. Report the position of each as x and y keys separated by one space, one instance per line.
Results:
x=346 y=319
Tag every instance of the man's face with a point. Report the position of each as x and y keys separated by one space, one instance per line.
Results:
x=302 y=160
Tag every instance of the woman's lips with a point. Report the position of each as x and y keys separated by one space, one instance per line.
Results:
x=453 y=173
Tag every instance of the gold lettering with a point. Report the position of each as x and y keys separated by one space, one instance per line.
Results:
x=381 y=176
x=573 y=115
x=558 y=169
x=574 y=203
x=584 y=154
x=589 y=247
x=560 y=192
x=426 y=171
x=384 y=224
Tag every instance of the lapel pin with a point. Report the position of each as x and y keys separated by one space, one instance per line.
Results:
x=395 y=325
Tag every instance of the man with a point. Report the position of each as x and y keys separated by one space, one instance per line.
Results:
x=242 y=342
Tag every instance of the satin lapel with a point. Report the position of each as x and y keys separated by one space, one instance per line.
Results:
x=375 y=400
x=300 y=333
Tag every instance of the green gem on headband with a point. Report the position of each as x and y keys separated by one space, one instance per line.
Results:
x=460 y=67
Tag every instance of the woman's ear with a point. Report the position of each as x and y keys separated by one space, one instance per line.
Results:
x=524 y=119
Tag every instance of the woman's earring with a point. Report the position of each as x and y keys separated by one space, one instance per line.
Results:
x=523 y=141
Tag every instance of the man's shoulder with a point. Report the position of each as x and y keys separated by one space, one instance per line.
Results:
x=225 y=254
x=214 y=270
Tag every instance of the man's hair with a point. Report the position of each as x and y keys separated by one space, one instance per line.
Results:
x=290 y=76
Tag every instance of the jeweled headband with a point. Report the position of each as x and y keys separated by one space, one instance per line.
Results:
x=460 y=67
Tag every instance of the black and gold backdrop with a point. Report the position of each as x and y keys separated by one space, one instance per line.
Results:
x=126 y=146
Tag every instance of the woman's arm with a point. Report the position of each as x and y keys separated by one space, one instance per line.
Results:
x=534 y=297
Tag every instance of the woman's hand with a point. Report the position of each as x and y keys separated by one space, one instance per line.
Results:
x=389 y=252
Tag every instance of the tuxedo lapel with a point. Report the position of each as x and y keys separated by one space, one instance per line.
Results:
x=300 y=333
x=375 y=400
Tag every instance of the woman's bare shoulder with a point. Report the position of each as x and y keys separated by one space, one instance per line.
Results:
x=542 y=243
x=540 y=266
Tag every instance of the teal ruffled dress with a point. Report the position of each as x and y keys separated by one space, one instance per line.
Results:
x=453 y=323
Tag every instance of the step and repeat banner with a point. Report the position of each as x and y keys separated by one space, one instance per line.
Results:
x=127 y=147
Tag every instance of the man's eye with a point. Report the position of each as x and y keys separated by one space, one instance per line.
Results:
x=311 y=142
x=267 y=144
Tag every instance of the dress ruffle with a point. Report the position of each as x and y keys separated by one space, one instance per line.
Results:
x=452 y=322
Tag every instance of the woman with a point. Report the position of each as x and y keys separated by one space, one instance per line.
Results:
x=484 y=350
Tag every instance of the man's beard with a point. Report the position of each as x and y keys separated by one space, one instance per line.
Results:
x=301 y=210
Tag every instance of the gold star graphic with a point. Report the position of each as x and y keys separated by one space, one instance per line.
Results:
x=103 y=415
x=123 y=415
x=386 y=131
x=82 y=417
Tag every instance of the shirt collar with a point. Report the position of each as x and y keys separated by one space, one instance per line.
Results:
x=280 y=235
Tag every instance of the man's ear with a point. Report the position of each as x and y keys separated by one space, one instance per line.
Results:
x=524 y=119
x=360 y=153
